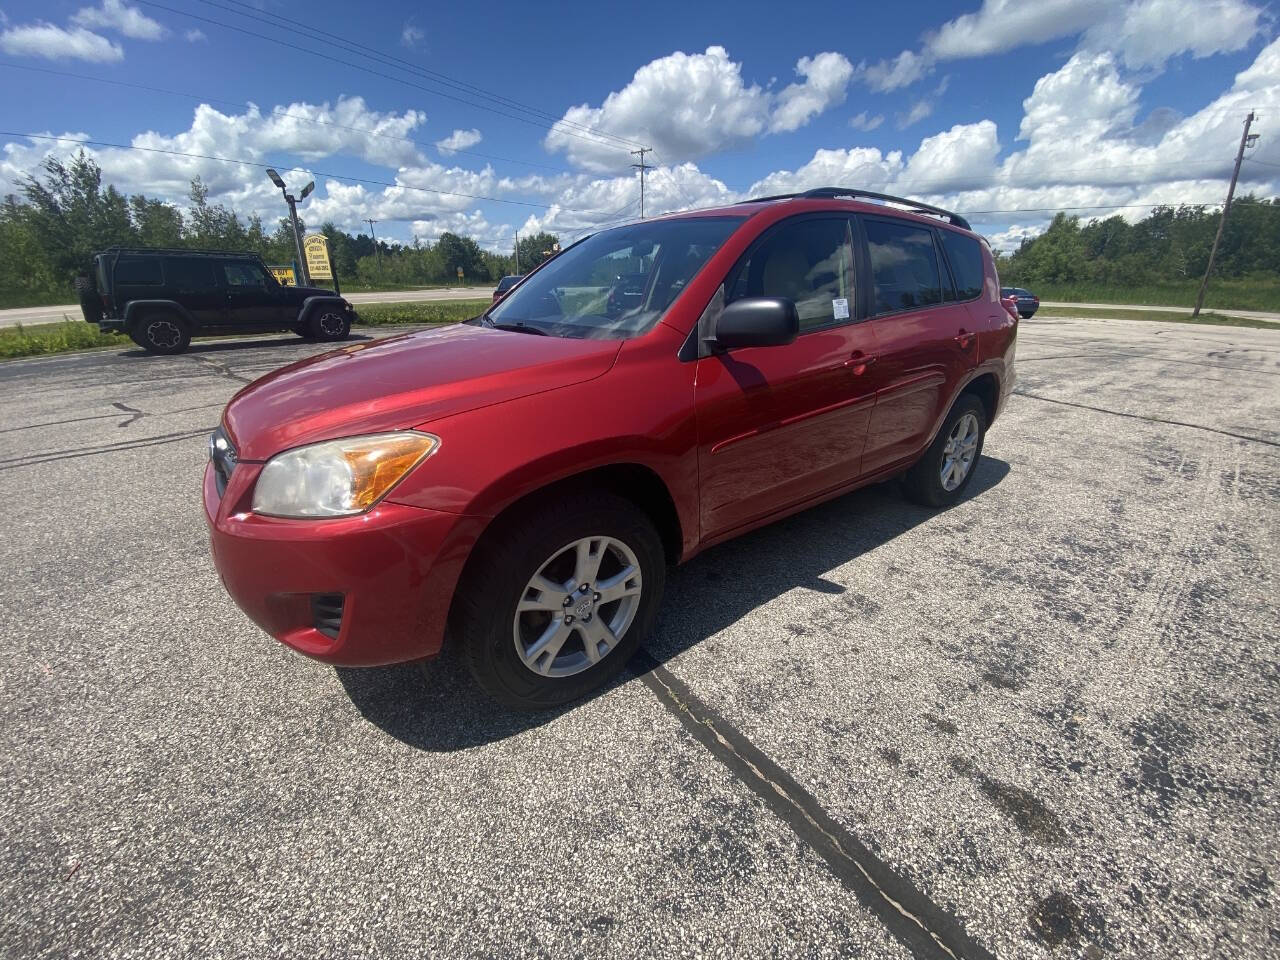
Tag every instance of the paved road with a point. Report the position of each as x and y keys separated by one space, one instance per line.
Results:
x=1251 y=314
x=1044 y=723
x=12 y=317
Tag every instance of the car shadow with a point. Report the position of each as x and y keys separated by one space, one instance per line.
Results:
x=239 y=343
x=435 y=705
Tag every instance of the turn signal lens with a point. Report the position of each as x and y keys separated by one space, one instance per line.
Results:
x=339 y=478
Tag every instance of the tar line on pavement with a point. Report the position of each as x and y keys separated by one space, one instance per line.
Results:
x=917 y=922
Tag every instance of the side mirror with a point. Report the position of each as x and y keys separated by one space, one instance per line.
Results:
x=756 y=322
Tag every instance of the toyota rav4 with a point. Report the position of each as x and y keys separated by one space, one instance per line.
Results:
x=521 y=482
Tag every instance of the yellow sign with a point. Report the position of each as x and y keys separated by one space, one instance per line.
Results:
x=284 y=276
x=316 y=248
x=459 y=273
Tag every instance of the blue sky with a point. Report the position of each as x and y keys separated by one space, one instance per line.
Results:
x=1014 y=107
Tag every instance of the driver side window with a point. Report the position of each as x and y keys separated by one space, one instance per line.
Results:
x=808 y=261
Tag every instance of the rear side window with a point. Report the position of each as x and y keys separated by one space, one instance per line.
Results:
x=189 y=272
x=244 y=275
x=965 y=257
x=506 y=283
x=904 y=266
x=808 y=261
x=139 y=271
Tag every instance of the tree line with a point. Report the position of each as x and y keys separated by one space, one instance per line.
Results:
x=1170 y=244
x=65 y=214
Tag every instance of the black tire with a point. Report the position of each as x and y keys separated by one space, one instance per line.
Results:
x=484 y=614
x=304 y=331
x=161 y=331
x=923 y=483
x=90 y=302
x=328 y=323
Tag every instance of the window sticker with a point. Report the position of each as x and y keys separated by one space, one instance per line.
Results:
x=841 y=307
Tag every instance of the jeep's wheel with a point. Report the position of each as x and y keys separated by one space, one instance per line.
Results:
x=329 y=323
x=304 y=331
x=940 y=476
x=161 y=333
x=556 y=603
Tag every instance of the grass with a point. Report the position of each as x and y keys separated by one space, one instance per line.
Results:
x=1254 y=294
x=437 y=311
x=16 y=299
x=38 y=339
x=1164 y=316
x=41 y=339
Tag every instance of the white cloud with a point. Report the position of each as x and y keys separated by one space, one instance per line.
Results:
x=1002 y=25
x=826 y=79
x=1143 y=33
x=411 y=35
x=919 y=110
x=902 y=71
x=194 y=36
x=458 y=140
x=1009 y=239
x=687 y=106
x=1149 y=32
x=1082 y=100
x=864 y=121
x=42 y=39
x=119 y=16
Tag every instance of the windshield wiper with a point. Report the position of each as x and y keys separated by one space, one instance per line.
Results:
x=513 y=327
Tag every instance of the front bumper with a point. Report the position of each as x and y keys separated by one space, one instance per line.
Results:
x=395 y=569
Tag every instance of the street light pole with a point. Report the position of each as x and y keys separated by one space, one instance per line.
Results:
x=293 y=219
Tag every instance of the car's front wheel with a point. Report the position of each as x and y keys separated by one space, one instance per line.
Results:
x=556 y=602
x=940 y=476
x=161 y=332
x=329 y=323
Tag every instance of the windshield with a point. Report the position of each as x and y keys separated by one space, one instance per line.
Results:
x=616 y=284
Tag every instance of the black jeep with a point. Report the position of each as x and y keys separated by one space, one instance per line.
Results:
x=163 y=298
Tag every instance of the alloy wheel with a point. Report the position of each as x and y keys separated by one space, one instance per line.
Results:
x=576 y=608
x=959 y=452
x=331 y=324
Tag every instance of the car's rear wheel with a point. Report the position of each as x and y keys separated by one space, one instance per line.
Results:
x=938 y=478
x=556 y=602
x=329 y=323
x=161 y=332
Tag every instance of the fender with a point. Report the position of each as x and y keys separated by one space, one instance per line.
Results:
x=320 y=300
x=995 y=367
x=135 y=308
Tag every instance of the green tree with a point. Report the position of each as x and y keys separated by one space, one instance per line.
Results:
x=461 y=252
x=536 y=249
x=156 y=223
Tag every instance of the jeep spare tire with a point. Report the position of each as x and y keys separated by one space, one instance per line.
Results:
x=90 y=302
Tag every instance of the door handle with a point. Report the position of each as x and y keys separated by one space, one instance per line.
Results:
x=859 y=362
x=963 y=338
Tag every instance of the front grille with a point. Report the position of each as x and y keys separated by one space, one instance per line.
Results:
x=223 y=456
x=326 y=613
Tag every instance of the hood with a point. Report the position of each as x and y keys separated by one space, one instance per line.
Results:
x=402 y=382
x=303 y=292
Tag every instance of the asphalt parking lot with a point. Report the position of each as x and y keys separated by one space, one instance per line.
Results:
x=1041 y=724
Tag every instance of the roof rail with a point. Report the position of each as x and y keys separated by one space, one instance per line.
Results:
x=820 y=193
x=180 y=251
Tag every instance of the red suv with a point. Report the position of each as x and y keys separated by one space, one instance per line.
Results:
x=521 y=482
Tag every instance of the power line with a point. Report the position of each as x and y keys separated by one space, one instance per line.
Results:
x=280 y=22
x=328 y=55
x=274 y=113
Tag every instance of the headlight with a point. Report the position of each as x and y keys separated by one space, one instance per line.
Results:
x=340 y=477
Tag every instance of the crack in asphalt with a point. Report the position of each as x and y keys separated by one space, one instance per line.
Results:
x=1139 y=416
x=125 y=408
x=221 y=369
x=920 y=925
x=35 y=459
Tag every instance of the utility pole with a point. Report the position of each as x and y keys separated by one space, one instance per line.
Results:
x=1246 y=140
x=377 y=251
x=517 y=254
x=642 y=167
